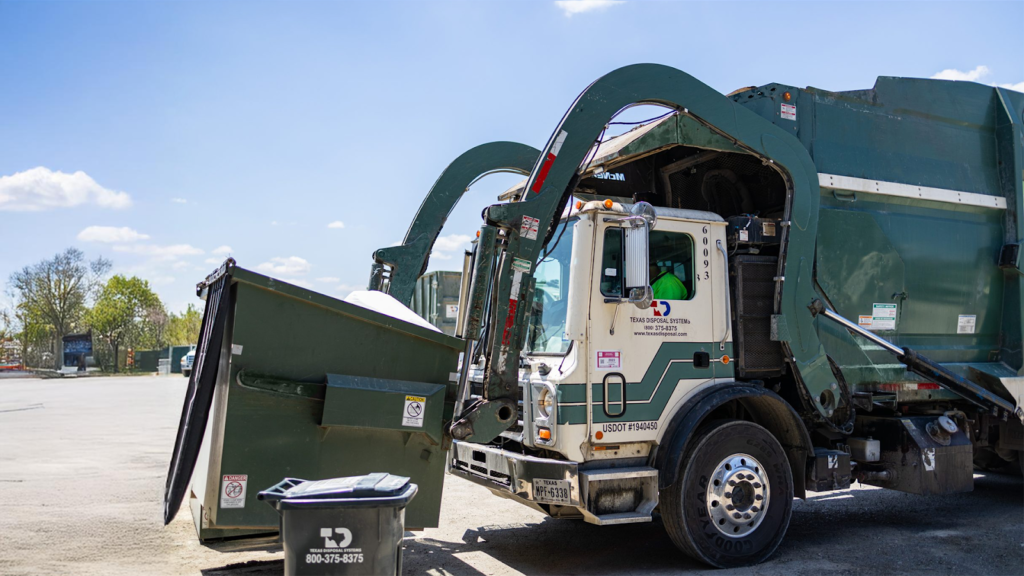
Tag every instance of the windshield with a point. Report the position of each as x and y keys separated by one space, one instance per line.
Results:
x=550 y=297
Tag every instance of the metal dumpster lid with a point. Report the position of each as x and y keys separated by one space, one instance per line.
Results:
x=376 y=485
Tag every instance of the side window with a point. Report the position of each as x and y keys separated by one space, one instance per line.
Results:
x=672 y=265
x=612 y=270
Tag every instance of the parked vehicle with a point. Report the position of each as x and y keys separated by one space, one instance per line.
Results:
x=761 y=294
x=186 y=362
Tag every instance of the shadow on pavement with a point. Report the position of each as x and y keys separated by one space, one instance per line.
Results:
x=252 y=568
x=859 y=531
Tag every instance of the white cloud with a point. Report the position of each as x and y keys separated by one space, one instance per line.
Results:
x=571 y=7
x=336 y=224
x=215 y=261
x=110 y=234
x=974 y=76
x=450 y=243
x=179 y=200
x=224 y=250
x=328 y=280
x=43 y=189
x=970 y=75
x=289 y=265
x=171 y=252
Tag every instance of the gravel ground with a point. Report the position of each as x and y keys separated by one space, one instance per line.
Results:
x=82 y=465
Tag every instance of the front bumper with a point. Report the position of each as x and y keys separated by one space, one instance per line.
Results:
x=510 y=474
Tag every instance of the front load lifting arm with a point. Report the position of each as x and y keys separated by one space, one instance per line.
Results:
x=408 y=261
x=551 y=184
x=918 y=364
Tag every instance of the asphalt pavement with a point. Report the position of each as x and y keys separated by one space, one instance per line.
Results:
x=82 y=466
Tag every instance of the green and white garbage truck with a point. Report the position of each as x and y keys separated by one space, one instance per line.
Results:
x=763 y=293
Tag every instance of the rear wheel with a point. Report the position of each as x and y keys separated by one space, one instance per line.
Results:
x=733 y=497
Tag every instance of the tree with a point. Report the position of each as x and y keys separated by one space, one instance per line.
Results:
x=183 y=328
x=6 y=330
x=155 y=327
x=120 y=313
x=51 y=295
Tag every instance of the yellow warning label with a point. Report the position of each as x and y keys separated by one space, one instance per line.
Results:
x=412 y=413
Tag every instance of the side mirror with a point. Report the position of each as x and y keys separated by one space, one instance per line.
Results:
x=637 y=258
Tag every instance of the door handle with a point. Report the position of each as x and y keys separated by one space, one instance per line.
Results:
x=622 y=387
x=728 y=305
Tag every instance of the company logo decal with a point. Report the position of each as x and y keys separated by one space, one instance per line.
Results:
x=345 y=533
x=661 y=308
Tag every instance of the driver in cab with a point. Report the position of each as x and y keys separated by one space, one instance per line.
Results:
x=665 y=284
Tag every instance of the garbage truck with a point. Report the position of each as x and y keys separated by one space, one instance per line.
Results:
x=756 y=295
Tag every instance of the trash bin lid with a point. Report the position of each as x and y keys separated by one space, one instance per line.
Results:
x=376 y=485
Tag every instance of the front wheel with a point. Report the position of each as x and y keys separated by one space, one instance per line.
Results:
x=186 y=373
x=732 y=499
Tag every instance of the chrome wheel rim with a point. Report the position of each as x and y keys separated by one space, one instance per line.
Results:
x=737 y=495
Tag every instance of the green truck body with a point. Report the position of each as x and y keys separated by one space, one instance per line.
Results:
x=853 y=312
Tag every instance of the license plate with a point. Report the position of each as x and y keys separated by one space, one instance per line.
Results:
x=551 y=491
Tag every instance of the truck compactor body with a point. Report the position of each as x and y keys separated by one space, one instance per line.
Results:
x=756 y=295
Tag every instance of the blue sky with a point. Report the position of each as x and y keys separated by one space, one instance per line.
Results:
x=162 y=134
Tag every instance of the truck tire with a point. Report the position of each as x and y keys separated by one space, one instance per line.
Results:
x=733 y=497
x=186 y=373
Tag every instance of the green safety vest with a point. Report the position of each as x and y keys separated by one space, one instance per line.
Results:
x=668 y=287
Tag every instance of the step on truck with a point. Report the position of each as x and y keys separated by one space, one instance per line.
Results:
x=756 y=295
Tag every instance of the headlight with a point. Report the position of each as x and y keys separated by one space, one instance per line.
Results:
x=546 y=402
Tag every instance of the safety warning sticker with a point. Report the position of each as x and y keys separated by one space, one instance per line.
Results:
x=883 y=316
x=521 y=265
x=609 y=359
x=451 y=310
x=529 y=228
x=788 y=112
x=415 y=406
x=965 y=323
x=232 y=490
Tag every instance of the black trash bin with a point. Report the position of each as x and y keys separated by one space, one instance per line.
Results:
x=343 y=526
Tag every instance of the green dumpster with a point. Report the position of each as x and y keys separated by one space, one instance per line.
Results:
x=291 y=383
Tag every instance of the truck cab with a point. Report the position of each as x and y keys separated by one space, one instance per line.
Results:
x=602 y=377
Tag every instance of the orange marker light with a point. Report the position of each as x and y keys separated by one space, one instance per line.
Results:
x=608 y=203
x=725 y=359
x=598 y=434
x=787 y=96
x=579 y=204
x=477 y=233
x=544 y=434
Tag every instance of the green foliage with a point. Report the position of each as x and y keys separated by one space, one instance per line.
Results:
x=124 y=313
x=183 y=329
x=50 y=301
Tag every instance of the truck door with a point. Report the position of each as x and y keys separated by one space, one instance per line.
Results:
x=655 y=355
